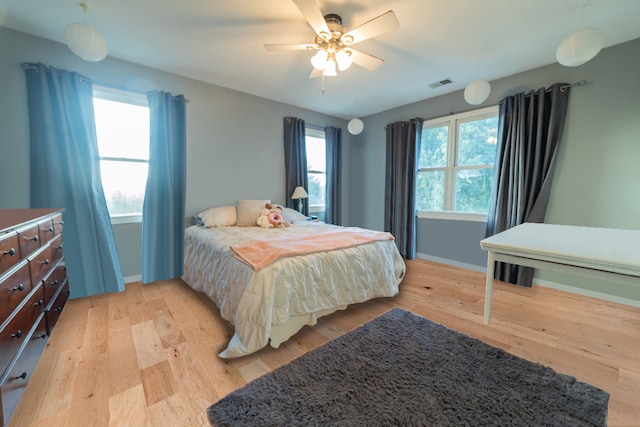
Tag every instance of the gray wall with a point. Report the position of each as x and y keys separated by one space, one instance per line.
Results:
x=234 y=140
x=597 y=179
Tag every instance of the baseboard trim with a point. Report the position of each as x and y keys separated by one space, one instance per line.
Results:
x=451 y=262
x=587 y=292
x=134 y=278
x=539 y=282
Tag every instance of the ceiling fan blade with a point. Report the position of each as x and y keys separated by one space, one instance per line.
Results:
x=313 y=15
x=315 y=73
x=277 y=47
x=365 y=60
x=378 y=25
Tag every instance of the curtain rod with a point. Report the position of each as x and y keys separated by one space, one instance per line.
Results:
x=126 y=89
x=28 y=66
x=563 y=88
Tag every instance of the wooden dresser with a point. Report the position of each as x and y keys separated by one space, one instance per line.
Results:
x=33 y=290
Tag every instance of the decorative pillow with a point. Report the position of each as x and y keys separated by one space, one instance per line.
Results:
x=248 y=211
x=292 y=215
x=217 y=216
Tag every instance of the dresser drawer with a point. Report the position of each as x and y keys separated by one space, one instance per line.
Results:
x=14 y=288
x=17 y=329
x=29 y=240
x=53 y=282
x=56 y=249
x=40 y=264
x=45 y=230
x=58 y=224
x=55 y=308
x=9 y=251
x=15 y=380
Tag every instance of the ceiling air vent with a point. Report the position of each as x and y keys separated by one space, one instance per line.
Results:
x=440 y=83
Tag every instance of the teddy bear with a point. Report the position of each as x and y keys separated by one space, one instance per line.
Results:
x=271 y=217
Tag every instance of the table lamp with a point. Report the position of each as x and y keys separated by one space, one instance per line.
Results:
x=299 y=193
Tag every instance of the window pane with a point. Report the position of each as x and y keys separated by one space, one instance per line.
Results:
x=122 y=129
x=433 y=147
x=430 y=191
x=316 y=154
x=473 y=188
x=477 y=142
x=316 y=190
x=124 y=184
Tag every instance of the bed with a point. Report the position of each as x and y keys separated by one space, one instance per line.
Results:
x=270 y=303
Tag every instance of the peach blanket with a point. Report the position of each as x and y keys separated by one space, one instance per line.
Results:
x=260 y=253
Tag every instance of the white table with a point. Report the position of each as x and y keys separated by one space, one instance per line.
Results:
x=605 y=253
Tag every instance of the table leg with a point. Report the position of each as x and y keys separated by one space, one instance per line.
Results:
x=489 y=287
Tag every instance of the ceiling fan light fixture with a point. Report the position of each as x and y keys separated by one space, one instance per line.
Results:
x=344 y=60
x=330 y=69
x=319 y=60
x=477 y=92
x=580 y=47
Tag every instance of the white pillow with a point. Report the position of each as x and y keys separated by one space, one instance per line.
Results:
x=218 y=216
x=248 y=211
x=292 y=215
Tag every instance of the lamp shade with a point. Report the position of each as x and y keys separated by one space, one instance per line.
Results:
x=330 y=69
x=355 y=126
x=85 y=41
x=477 y=92
x=299 y=193
x=343 y=58
x=319 y=60
x=580 y=47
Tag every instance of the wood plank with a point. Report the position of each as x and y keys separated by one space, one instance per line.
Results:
x=158 y=382
x=127 y=408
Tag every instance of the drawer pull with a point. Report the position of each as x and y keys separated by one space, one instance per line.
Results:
x=19 y=288
x=34 y=238
x=50 y=229
x=39 y=303
x=59 y=247
x=10 y=252
x=17 y=334
x=58 y=309
x=21 y=376
x=41 y=336
x=54 y=283
x=45 y=262
x=60 y=222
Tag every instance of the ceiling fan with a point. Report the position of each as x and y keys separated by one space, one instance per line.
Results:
x=333 y=42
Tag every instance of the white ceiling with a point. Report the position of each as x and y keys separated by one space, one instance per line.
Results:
x=221 y=42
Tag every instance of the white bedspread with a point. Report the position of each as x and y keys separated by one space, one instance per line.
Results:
x=253 y=301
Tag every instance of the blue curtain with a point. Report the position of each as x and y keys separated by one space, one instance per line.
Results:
x=295 y=159
x=403 y=146
x=65 y=173
x=163 y=219
x=333 y=140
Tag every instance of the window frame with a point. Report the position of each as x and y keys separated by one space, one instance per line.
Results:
x=452 y=167
x=316 y=133
x=126 y=97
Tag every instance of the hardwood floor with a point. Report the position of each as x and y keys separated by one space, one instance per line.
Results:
x=148 y=355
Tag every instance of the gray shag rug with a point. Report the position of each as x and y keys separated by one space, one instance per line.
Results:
x=403 y=370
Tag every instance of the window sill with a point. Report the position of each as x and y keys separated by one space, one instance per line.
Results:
x=126 y=219
x=455 y=216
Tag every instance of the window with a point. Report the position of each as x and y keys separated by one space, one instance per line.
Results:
x=122 y=128
x=455 y=166
x=316 y=169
